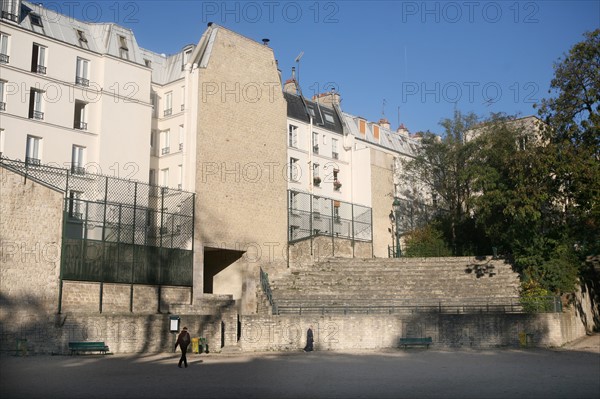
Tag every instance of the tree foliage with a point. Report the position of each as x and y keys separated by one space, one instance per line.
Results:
x=529 y=187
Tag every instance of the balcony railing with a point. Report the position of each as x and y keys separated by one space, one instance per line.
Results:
x=82 y=81
x=316 y=149
x=9 y=16
x=4 y=58
x=32 y=161
x=37 y=115
x=80 y=125
x=335 y=155
x=180 y=146
x=165 y=150
x=41 y=69
x=183 y=107
x=77 y=170
x=2 y=106
x=168 y=112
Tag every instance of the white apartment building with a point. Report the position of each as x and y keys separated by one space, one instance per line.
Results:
x=73 y=94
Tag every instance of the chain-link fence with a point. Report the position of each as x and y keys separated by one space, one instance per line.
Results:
x=118 y=230
x=310 y=215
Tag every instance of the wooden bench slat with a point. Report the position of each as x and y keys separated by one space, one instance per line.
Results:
x=88 y=347
x=416 y=341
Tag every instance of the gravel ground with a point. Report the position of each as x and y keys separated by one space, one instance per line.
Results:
x=569 y=372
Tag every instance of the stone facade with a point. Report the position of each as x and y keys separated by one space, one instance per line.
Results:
x=382 y=187
x=288 y=332
x=241 y=161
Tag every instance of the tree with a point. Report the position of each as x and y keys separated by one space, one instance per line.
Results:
x=573 y=119
x=444 y=166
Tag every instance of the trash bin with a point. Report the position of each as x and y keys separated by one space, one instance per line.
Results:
x=195 y=345
x=203 y=345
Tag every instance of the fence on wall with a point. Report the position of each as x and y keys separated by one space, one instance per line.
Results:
x=310 y=215
x=117 y=230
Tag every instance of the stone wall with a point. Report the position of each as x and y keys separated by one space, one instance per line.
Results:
x=305 y=253
x=362 y=331
x=241 y=174
x=382 y=185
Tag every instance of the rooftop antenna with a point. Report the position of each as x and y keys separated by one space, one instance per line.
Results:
x=298 y=64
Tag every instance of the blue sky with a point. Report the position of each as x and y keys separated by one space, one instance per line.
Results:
x=415 y=61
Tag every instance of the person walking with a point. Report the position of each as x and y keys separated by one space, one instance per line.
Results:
x=309 y=340
x=183 y=340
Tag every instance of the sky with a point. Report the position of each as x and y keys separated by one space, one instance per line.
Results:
x=412 y=62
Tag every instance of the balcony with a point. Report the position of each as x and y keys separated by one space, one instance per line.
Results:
x=2 y=106
x=77 y=170
x=316 y=149
x=165 y=150
x=80 y=125
x=41 y=69
x=82 y=81
x=9 y=16
x=168 y=112
x=4 y=58
x=39 y=115
x=335 y=155
x=32 y=161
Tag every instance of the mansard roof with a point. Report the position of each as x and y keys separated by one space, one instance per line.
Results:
x=324 y=116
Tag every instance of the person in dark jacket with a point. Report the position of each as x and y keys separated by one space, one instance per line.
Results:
x=183 y=340
x=309 y=340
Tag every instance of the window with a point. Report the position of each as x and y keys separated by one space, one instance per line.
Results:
x=35 y=19
x=154 y=100
x=83 y=42
x=152 y=141
x=315 y=142
x=186 y=58
x=334 y=149
x=362 y=126
x=4 y=49
x=168 y=108
x=316 y=177
x=183 y=98
x=77 y=160
x=180 y=176
x=294 y=169
x=164 y=177
x=311 y=111
x=152 y=177
x=328 y=117
x=33 y=150
x=293 y=136
x=123 y=49
x=1 y=142
x=2 y=102
x=38 y=59
x=80 y=121
x=336 y=183
x=165 y=142
x=293 y=201
x=181 y=135
x=75 y=204
x=82 y=74
x=148 y=63
x=376 y=132
x=35 y=104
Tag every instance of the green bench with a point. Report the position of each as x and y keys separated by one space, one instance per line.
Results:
x=88 y=347
x=415 y=341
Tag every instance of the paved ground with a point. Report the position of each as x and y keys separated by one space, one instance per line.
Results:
x=571 y=372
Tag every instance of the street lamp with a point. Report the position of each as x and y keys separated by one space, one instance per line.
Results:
x=396 y=205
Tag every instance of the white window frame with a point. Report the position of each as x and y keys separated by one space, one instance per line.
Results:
x=293 y=175
x=123 y=49
x=33 y=148
x=181 y=137
x=82 y=74
x=165 y=142
x=334 y=149
x=77 y=158
x=4 y=48
x=183 y=98
x=180 y=176
x=164 y=177
x=2 y=93
x=168 y=105
x=293 y=136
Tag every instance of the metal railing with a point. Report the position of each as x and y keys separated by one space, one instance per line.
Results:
x=407 y=306
x=82 y=81
x=264 y=283
x=4 y=58
x=41 y=69
x=310 y=216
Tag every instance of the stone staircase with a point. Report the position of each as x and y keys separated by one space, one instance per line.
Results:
x=397 y=282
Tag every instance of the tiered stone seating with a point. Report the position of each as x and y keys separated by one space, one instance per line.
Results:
x=397 y=282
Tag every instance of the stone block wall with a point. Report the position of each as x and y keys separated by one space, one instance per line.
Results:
x=362 y=331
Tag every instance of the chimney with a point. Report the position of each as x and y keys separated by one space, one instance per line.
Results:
x=329 y=98
x=402 y=130
x=265 y=41
x=384 y=123
x=290 y=85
